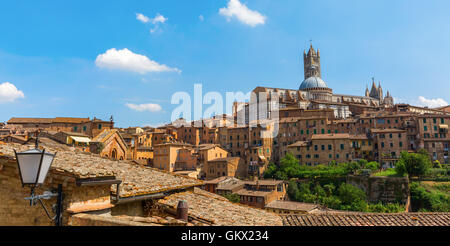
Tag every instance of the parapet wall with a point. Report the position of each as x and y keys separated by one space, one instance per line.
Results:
x=384 y=189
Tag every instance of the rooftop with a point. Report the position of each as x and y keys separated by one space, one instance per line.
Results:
x=368 y=219
x=225 y=159
x=136 y=180
x=288 y=205
x=330 y=136
x=221 y=212
x=265 y=182
x=244 y=192
x=387 y=131
x=313 y=82
x=299 y=144
x=15 y=120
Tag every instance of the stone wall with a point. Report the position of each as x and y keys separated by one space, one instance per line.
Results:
x=385 y=189
x=16 y=211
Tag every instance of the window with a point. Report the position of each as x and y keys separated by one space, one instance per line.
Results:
x=323 y=131
x=84 y=128
x=75 y=128
x=329 y=147
x=400 y=144
x=316 y=147
x=424 y=120
x=425 y=128
x=342 y=146
x=99 y=126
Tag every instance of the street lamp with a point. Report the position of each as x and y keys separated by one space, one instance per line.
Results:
x=34 y=165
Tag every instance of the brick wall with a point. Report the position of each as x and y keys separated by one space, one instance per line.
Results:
x=385 y=189
x=16 y=211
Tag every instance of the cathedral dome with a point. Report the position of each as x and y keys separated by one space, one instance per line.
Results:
x=313 y=82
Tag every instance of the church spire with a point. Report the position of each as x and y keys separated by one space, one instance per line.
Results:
x=311 y=61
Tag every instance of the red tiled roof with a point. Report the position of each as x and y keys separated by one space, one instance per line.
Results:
x=69 y=120
x=30 y=121
x=368 y=219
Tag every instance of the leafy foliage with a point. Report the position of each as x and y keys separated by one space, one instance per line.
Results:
x=345 y=197
x=234 y=198
x=290 y=168
x=432 y=200
x=325 y=184
x=413 y=164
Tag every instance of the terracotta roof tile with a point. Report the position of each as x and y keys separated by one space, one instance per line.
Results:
x=219 y=211
x=136 y=180
x=368 y=219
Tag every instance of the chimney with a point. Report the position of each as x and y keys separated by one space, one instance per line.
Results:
x=182 y=210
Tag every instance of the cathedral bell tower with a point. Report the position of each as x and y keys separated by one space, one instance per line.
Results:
x=311 y=63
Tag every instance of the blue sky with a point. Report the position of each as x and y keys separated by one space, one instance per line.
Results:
x=67 y=58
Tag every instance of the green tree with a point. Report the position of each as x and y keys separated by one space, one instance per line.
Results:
x=234 y=198
x=437 y=164
x=270 y=171
x=413 y=164
x=319 y=192
x=362 y=162
x=329 y=188
x=352 y=198
x=290 y=165
x=374 y=166
x=293 y=191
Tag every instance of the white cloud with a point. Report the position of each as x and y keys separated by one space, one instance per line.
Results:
x=159 y=19
x=151 y=107
x=432 y=103
x=128 y=61
x=9 y=93
x=245 y=15
x=142 y=18
x=201 y=18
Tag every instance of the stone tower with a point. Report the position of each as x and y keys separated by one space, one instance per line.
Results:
x=311 y=63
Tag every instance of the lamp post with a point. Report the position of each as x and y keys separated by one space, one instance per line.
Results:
x=34 y=165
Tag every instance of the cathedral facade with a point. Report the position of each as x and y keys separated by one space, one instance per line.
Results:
x=314 y=93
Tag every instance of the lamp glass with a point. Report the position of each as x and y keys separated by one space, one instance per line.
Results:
x=31 y=166
x=45 y=167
